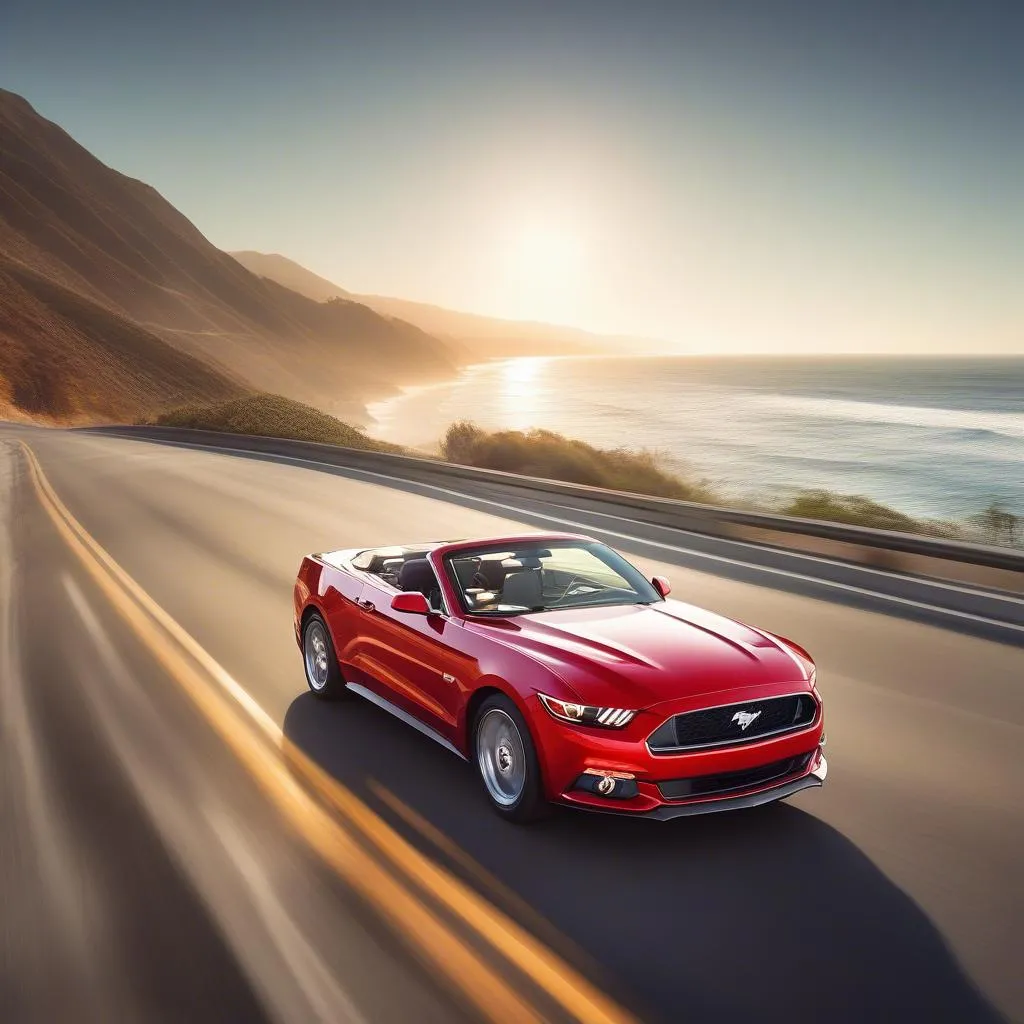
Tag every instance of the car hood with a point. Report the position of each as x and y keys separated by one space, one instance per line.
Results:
x=637 y=656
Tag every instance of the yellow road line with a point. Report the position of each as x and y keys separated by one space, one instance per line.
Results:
x=452 y=849
x=333 y=843
x=485 y=880
x=551 y=973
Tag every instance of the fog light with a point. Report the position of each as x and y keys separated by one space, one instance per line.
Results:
x=607 y=783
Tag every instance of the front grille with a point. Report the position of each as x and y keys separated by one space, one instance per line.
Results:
x=723 y=726
x=732 y=782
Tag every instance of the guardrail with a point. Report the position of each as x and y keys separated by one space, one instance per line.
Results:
x=984 y=565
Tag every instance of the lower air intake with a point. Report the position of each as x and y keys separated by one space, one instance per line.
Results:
x=734 y=782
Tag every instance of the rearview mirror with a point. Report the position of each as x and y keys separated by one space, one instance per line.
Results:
x=662 y=585
x=412 y=602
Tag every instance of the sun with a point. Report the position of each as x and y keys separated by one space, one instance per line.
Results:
x=543 y=271
x=545 y=253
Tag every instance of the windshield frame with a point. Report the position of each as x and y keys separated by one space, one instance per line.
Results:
x=646 y=593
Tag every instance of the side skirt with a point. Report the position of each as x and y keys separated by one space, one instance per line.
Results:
x=404 y=716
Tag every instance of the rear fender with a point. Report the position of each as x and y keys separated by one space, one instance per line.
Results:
x=305 y=591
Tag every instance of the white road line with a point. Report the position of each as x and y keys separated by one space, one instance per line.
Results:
x=38 y=844
x=322 y=996
x=278 y=960
x=519 y=512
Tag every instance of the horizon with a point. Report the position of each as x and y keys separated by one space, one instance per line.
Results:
x=816 y=183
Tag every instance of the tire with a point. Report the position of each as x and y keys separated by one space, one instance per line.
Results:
x=323 y=677
x=506 y=761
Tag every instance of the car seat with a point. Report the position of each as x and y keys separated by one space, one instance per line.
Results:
x=524 y=588
x=418 y=574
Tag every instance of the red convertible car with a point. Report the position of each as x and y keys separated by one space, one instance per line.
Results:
x=564 y=675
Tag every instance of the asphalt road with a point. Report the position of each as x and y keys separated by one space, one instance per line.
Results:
x=144 y=871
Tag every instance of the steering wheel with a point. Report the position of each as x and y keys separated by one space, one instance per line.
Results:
x=568 y=588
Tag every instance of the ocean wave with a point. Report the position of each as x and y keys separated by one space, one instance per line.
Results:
x=926 y=460
x=1006 y=424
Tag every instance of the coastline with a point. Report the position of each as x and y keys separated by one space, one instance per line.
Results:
x=937 y=439
x=379 y=411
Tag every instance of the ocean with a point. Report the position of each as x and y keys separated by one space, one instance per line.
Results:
x=932 y=437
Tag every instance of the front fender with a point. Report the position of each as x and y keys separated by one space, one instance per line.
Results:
x=485 y=684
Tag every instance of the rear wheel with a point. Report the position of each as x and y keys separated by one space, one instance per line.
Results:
x=322 y=673
x=506 y=761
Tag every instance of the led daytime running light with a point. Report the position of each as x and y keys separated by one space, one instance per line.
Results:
x=585 y=714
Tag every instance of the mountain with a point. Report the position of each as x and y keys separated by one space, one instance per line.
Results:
x=100 y=277
x=66 y=359
x=291 y=274
x=478 y=336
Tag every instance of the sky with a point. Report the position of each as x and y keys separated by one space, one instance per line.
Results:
x=732 y=176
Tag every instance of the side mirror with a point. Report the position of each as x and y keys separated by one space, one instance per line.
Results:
x=662 y=585
x=412 y=602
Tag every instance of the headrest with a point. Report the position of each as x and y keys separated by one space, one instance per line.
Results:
x=417 y=574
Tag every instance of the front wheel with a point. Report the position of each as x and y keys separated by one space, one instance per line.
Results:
x=322 y=673
x=506 y=761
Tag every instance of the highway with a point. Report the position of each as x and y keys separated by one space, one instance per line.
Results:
x=186 y=834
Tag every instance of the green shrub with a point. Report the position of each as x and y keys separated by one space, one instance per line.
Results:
x=856 y=510
x=543 y=453
x=265 y=415
x=997 y=525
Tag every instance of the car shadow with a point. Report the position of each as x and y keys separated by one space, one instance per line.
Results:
x=767 y=914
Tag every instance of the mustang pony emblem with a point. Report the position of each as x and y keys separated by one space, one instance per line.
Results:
x=745 y=718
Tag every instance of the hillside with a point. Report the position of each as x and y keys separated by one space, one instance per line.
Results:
x=265 y=415
x=68 y=359
x=70 y=224
x=291 y=274
x=479 y=336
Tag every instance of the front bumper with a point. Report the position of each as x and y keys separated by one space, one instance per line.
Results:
x=665 y=786
x=667 y=811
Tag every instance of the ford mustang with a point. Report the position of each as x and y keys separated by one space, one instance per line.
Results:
x=563 y=675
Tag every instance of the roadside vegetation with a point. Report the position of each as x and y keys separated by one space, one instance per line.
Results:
x=997 y=525
x=543 y=453
x=856 y=510
x=265 y=415
x=546 y=454
x=994 y=524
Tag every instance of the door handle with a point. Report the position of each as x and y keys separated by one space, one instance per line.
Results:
x=367 y=605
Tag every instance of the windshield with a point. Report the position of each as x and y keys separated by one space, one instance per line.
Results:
x=546 y=577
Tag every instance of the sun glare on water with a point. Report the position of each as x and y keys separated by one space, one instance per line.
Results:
x=519 y=394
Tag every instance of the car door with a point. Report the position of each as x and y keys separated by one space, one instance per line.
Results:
x=340 y=602
x=414 y=659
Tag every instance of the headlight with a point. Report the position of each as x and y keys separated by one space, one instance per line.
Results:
x=585 y=714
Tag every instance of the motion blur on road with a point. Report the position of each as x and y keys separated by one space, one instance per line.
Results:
x=186 y=835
